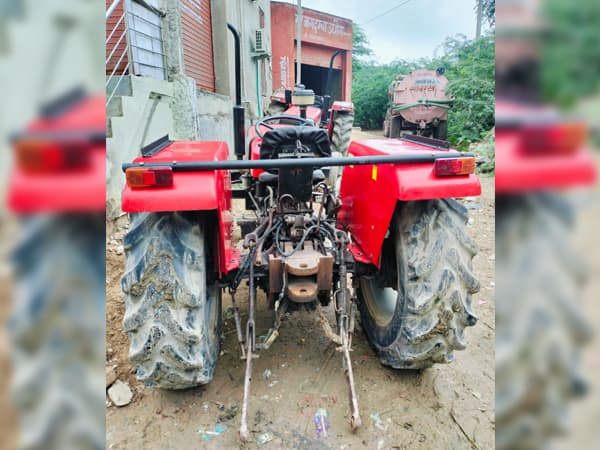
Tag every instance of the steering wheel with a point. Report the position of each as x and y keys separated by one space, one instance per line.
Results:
x=266 y=120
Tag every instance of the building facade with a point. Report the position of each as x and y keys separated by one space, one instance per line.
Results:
x=322 y=35
x=170 y=70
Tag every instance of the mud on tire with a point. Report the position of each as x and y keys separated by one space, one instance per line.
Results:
x=172 y=300
x=415 y=309
x=56 y=332
x=540 y=328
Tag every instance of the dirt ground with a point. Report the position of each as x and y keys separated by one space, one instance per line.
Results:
x=449 y=406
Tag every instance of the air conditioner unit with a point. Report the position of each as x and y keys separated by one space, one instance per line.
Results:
x=260 y=44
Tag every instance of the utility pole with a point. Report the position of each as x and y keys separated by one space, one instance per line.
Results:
x=479 y=19
x=299 y=43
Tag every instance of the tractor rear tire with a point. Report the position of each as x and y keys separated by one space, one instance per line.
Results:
x=395 y=127
x=172 y=300
x=342 y=131
x=56 y=330
x=540 y=326
x=441 y=131
x=415 y=309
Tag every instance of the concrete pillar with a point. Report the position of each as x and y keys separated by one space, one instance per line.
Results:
x=184 y=102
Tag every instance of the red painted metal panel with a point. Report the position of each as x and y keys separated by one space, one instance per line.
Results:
x=198 y=56
x=83 y=190
x=369 y=193
x=517 y=172
x=192 y=191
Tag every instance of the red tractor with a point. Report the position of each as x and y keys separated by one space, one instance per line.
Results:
x=392 y=245
x=337 y=117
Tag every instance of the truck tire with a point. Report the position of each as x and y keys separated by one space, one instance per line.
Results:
x=414 y=310
x=540 y=327
x=386 y=125
x=56 y=329
x=395 y=127
x=441 y=131
x=342 y=131
x=172 y=300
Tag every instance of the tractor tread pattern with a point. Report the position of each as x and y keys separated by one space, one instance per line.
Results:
x=342 y=131
x=439 y=286
x=171 y=314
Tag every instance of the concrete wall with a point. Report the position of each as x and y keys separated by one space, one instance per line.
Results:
x=147 y=115
x=175 y=106
x=215 y=118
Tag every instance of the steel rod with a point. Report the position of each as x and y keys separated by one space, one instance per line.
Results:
x=196 y=166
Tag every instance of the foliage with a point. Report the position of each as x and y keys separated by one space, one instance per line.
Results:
x=570 y=54
x=470 y=69
x=360 y=42
x=488 y=9
x=486 y=150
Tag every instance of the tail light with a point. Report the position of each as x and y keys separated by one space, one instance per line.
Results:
x=445 y=167
x=140 y=177
x=41 y=156
x=556 y=138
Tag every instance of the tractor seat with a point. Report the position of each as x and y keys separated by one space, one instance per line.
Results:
x=286 y=139
x=271 y=179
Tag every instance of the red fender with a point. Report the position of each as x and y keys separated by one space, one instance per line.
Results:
x=369 y=193
x=191 y=191
x=342 y=106
x=338 y=106
x=80 y=190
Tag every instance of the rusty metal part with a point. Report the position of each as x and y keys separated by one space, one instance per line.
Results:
x=325 y=273
x=329 y=334
x=250 y=347
x=273 y=333
x=307 y=262
x=304 y=262
x=275 y=274
x=238 y=323
x=301 y=289
x=345 y=310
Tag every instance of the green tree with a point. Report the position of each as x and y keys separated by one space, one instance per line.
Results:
x=360 y=46
x=570 y=50
x=470 y=70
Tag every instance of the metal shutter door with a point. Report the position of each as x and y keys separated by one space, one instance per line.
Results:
x=197 y=43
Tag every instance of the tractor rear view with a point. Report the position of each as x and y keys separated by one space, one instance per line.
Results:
x=418 y=104
x=402 y=262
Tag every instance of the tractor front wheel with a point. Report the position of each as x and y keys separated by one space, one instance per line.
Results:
x=415 y=309
x=342 y=130
x=172 y=300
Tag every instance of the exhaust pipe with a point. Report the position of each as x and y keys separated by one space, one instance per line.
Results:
x=328 y=97
x=239 y=120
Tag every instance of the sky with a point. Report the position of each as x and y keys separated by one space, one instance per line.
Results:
x=411 y=31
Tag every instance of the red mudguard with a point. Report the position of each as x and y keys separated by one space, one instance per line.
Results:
x=369 y=193
x=191 y=191
x=517 y=172
x=82 y=190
